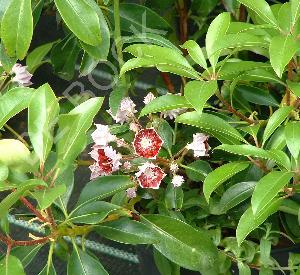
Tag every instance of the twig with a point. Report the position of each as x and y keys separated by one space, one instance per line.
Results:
x=167 y=80
x=19 y=137
x=33 y=210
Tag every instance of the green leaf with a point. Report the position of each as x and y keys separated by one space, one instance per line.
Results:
x=117 y=94
x=195 y=53
x=52 y=270
x=36 y=57
x=216 y=30
x=165 y=266
x=103 y=187
x=262 y=9
x=166 y=132
x=13 y=102
x=212 y=125
x=6 y=61
x=198 y=170
x=192 y=250
x=248 y=222
x=127 y=231
x=47 y=196
x=173 y=197
x=221 y=174
x=165 y=103
x=26 y=253
x=295 y=10
x=17 y=28
x=275 y=120
x=282 y=49
x=267 y=189
x=292 y=134
x=93 y=212
x=13 y=197
x=81 y=263
x=198 y=92
x=81 y=19
x=236 y=194
x=294 y=87
x=244 y=269
x=43 y=112
x=73 y=127
x=3 y=172
x=11 y=265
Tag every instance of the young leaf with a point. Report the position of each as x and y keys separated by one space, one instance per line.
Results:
x=262 y=9
x=17 y=28
x=215 y=178
x=212 y=125
x=294 y=87
x=216 y=30
x=165 y=103
x=248 y=222
x=275 y=120
x=198 y=92
x=191 y=249
x=11 y=265
x=3 y=172
x=267 y=189
x=127 y=231
x=81 y=19
x=81 y=263
x=282 y=49
x=195 y=52
x=295 y=10
x=73 y=127
x=13 y=102
x=292 y=133
x=43 y=112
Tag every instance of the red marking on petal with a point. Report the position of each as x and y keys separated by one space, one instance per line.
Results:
x=151 y=177
x=104 y=162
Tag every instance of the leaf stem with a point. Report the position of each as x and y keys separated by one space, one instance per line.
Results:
x=19 y=137
x=117 y=32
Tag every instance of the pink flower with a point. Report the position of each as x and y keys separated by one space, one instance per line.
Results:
x=150 y=175
x=21 y=75
x=148 y=98
x=147 y=143
x=177 y=180
x=125 y=112
x=199 y=145
x=107 y=161
x=102 y=136
x=131 y=193
x=127 y=165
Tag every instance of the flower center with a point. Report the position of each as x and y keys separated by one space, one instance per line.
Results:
x=146 y=143
x=149 y=173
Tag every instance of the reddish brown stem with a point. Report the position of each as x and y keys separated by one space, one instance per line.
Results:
x=167 y=80
x=10 y=242
x=33 y=210
x=183 y=20
x=50 y=216
x=290 y=76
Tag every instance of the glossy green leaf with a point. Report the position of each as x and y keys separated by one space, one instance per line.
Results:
x=216 y=30
x=3 y=172
x=267 y=189
x=262 y=9
x=292 y=134
x=282 y=49
x=275 y=120
x=47 y=196
x=11 y=265
x=81 y=19
x=192 y=250
x=165 y=266
x=13 y=197
x=17 y=28
x=244 y=269
x=221 y=174
x=81 y=263
x=26 y=253
x=236 y=194
x=165 y=103
x=198 y=170
x=6 y=61
x=173 y=197
x=212 y=125
x=166 y=133
x=248 y=222
x=73 y=127
x=195 y=53
x=295 y=11
x=294 y=87
x=52 y=270
x=284 y=18
x=43 y=113
x=198 y=92
x=93 y=212
x=13 y=102
x=117 y=94
x=103 y=187
x=127 y=231
x=37 y=8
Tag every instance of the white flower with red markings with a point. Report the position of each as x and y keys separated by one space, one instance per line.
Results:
x=150 y=175
x=147 y=143
x=102 y=136
x=21 y=75
x=177 y=180
x=107 y=161
x=125 y=112
x=148 y=98
x=199 y=145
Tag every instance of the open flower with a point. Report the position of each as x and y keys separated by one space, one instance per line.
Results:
x=174 y=167
x=177 y=180
x=102 y=136
x=21 y=75
x=199 y=145
x=150 y=175
x=172 y=114
x=147 y=143
x=131 y=192
x=107 y=161
x=148 y=98
x=125 y=112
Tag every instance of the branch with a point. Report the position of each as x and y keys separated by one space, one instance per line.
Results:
x=33 y=210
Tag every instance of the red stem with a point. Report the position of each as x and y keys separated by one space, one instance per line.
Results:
x=167 y=80
x=33 y=210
